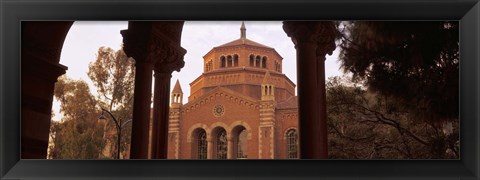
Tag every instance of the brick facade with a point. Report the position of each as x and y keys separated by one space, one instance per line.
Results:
x=242 y=92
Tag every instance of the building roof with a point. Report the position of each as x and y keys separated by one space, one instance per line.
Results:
x=243 y=41
x=291 y=102
x=177 y=88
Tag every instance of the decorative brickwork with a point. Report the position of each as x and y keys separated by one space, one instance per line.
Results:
x=242 y=91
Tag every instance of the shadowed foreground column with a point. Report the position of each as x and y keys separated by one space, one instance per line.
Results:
x=170 y=60
x=311 y=86
x=136 y=41
x=325 y=45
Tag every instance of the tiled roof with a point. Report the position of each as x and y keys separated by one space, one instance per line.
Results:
x=177 y=88
x=291 y=102
x=243 y=41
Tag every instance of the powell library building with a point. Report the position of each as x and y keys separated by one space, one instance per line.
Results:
x=241 y=107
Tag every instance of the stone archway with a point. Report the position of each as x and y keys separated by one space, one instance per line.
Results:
x=42 y=44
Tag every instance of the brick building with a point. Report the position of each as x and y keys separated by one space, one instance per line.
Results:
x=242 y=106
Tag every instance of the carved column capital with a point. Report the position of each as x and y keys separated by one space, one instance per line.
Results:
x=302 y=31
x=322 y=33
x=169 y=58
x=326 y=44
x=135 y=45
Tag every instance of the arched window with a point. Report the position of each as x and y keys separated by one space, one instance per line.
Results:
x=222 y=61
x=235 y=60
x=199 y=144
x=221 y=144
x=251 y=60
x=257 y=61
x=264 y=62
x=292 y=149
x=241 y=141
x=229 y=61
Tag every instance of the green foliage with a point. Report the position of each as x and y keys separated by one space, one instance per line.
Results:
x=416 y=63
x=79 y=135
x=367 y=125
x=113 y=75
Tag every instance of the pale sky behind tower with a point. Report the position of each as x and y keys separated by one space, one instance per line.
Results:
x=198 y=37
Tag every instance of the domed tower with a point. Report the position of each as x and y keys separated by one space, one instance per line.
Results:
x=239 y=107
x=241 y=65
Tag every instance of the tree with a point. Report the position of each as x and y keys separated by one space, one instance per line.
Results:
x=113 y=74
x=367 y=125
x=414 y=62
x=77 y=136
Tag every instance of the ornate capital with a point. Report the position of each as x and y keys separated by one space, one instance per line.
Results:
x=135 y=45
x=169 y=57
x=302 y=31
x=166 y=55
x=322 y=33
x=326 y=43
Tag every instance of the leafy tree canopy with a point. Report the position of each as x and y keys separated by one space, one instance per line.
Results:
x=415 y=62
x=78 y=135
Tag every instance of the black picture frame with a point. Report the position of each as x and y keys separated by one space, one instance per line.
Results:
x=12 y=12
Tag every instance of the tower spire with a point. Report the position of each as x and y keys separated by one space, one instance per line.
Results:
x=243 y=31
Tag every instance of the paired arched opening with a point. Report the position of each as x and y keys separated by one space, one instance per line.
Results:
x=267 y=90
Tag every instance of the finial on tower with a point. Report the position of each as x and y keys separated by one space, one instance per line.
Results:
x=243 y=31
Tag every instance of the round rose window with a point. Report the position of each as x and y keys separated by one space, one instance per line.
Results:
x=218 y=110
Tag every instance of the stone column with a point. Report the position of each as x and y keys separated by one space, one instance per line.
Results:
x=160 y=115
x=171 y=59
x=312 y=114
x=229 y=147
x=141 y=110
x=325 y=45
x=136 y=41
x=209 y=147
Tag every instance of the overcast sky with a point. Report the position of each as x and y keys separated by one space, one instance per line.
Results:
x=198 y=37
